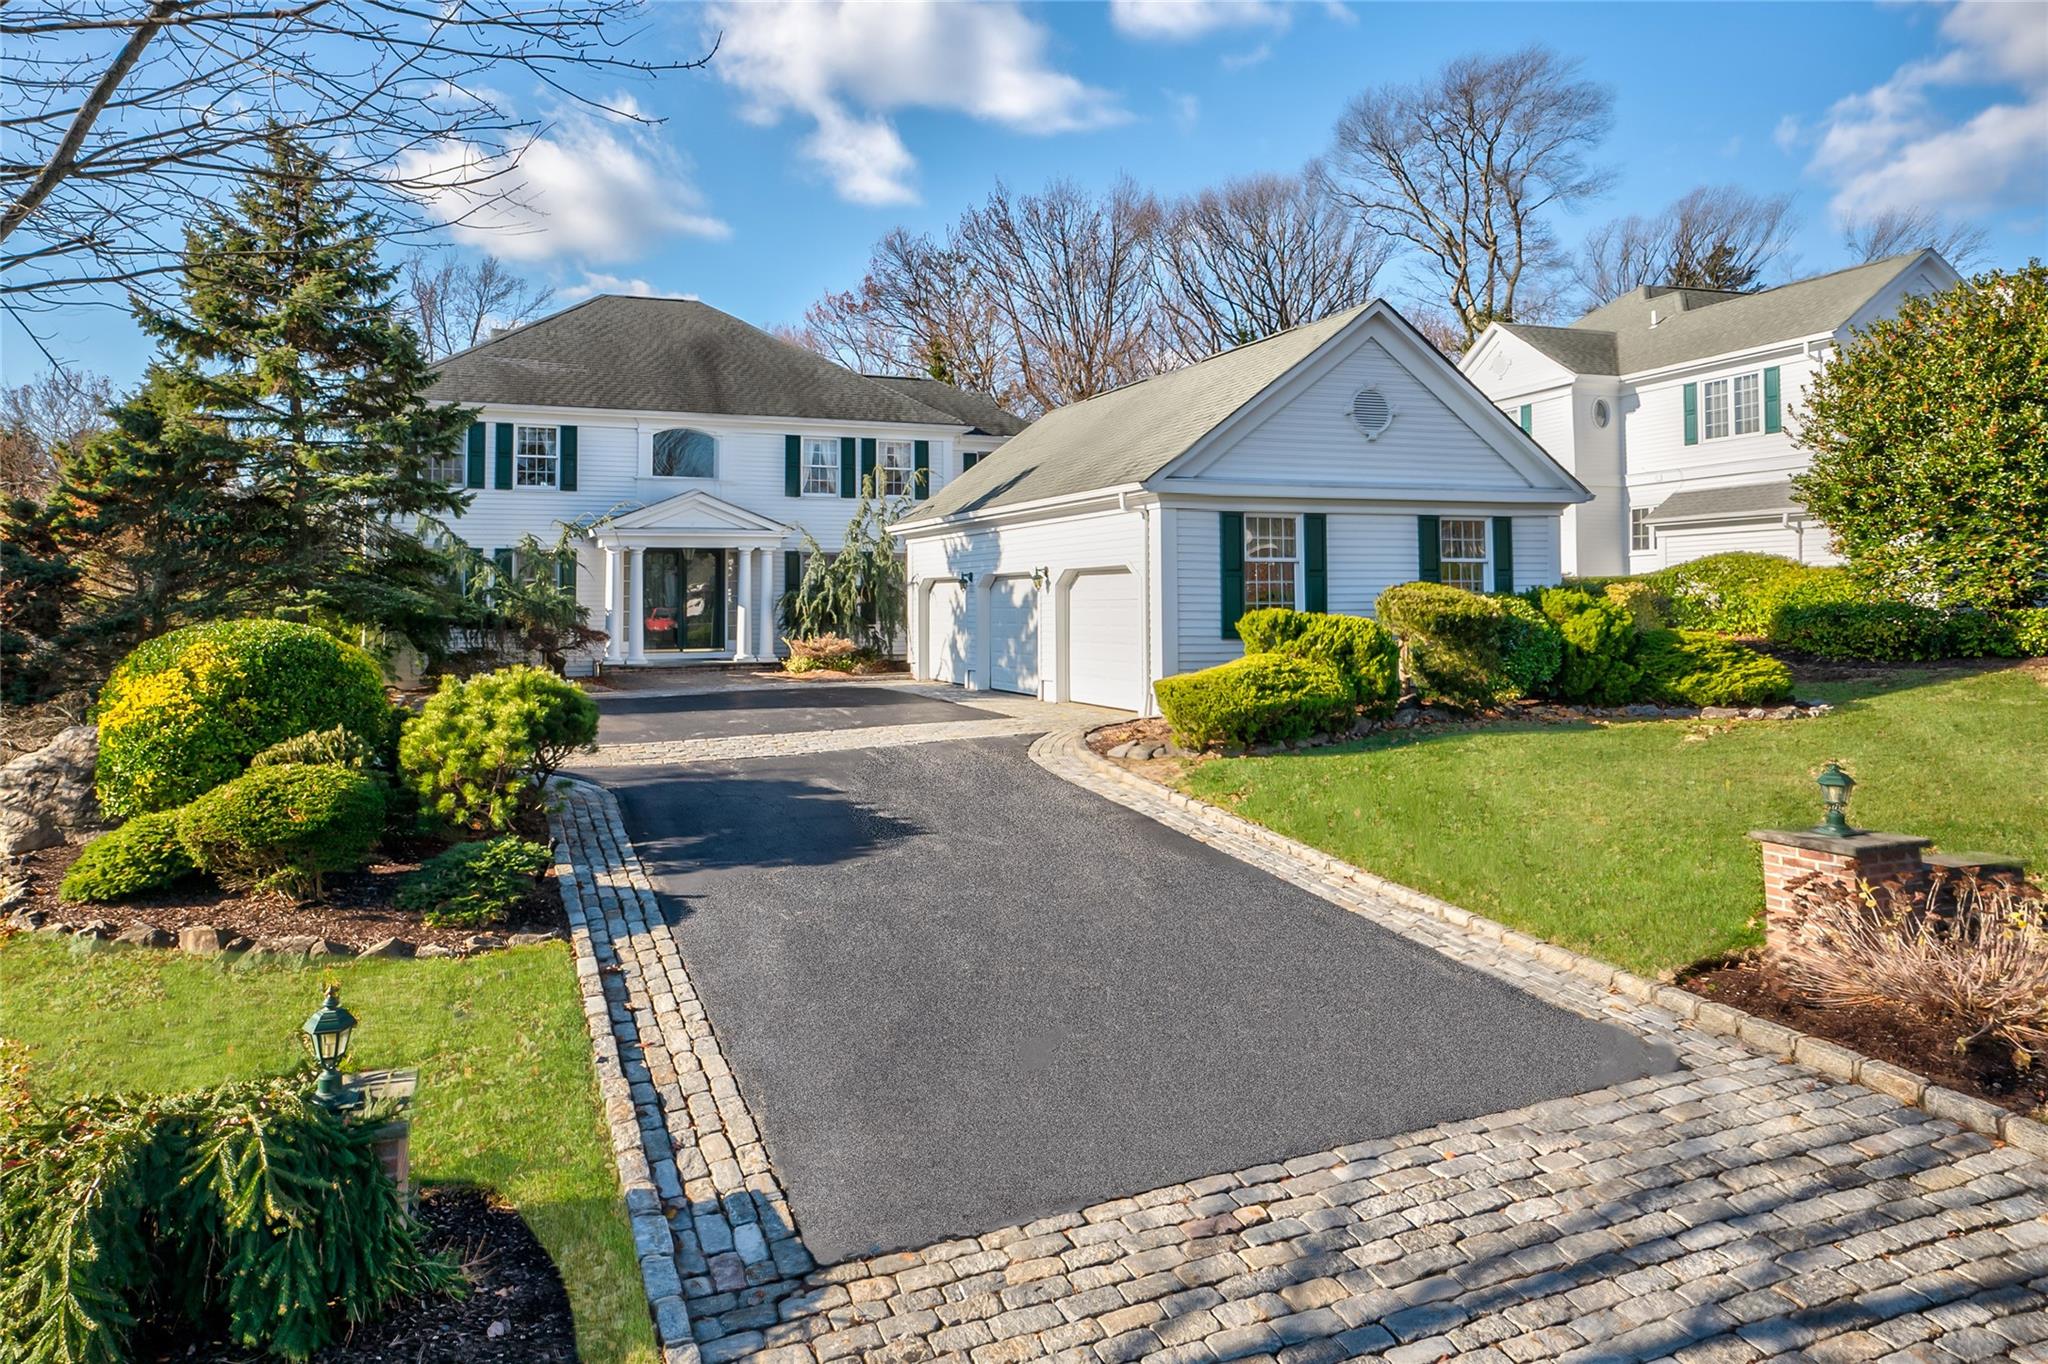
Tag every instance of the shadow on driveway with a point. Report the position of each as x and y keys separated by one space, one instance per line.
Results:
x=781 y=708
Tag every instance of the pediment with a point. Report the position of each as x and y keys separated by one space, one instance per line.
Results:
x=693 y=511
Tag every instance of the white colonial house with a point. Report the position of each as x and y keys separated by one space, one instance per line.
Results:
x=1678 y=408
x=689 y=453
x=1118 y=540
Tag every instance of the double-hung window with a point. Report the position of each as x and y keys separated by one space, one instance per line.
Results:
x=1461 y=545
x=1714 y=409
x=1732 y=406
x=1749 y=404
x=1639 y=529
x=536 y=456
x=1272 y=559
x=449 y=468
x=894 y=467
x=821 y=465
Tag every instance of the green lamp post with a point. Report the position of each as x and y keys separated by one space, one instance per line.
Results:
x=327 y=1034
x=1834 y=789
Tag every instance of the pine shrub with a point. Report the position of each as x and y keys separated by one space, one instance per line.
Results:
x=1260 y=698
x=283 y=828
x=142 y=855
x=336 y=747
x=478 y=750
x=1700 y=668
x=474 y=885
x=1450 y=641
x=247 y=1207
x=1364 y=652
x=188 y=710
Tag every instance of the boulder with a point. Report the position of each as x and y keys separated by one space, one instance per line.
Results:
x=46 y=797
x=388 y=947
x=1719 y=712
x=434 y=949
x=327 y=947
x=144 y=935
x=202 y=940
x=529 y=939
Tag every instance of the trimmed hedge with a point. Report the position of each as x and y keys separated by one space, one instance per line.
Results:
x=478 y=748
x=473 y=885
x=1743 y=593
x=1260 y=698
x=188 y=710
x=1879 y=631
x=142 y=855
x=1599 y=637
x=1700 y=668
x=282 y=828
x=1531 y=649
x=1450 y=641
x=1364 y=652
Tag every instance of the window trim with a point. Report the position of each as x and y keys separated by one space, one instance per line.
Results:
x=554 y=483
x=908 y=449
x=1444 y=558
x=1639 y=527
x=1296 y=559
x=1732 y=410
x=831 y=465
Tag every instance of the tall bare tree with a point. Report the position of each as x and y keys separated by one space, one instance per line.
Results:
x=1465 y=168
x=454 y=304
x=1070 y=274
x=1895 y=231
x=40 y=420
x=1256 y=256
x=127 y=121
x=1711 y=237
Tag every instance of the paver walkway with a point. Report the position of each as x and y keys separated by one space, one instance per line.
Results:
x=1741 y=1208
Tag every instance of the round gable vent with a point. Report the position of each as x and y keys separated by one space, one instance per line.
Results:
x=1371 y=412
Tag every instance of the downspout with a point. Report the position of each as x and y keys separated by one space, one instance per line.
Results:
x=1145 y=590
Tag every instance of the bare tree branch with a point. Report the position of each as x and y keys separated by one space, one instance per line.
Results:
x=454 y=305
x=41 y=420
x=1712 y=237
x=1896 y=231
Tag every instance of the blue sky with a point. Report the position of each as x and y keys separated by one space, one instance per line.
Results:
x=818 y=128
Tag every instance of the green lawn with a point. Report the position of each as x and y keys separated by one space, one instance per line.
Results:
x=1627 y=842
x=507 y=1099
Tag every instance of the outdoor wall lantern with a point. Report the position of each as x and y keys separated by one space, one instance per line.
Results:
x=1834 y=789
x=327 y=1034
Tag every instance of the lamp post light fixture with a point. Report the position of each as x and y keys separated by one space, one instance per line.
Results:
x=327 y=1034
x=1834 y=789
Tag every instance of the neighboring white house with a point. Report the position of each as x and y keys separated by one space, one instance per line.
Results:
x=1117 y=541
x=691 y=452
x=1678 y=407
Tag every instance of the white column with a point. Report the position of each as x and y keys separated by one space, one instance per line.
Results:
x=614 y=606
x=765 y=644
x=743 y=609
x=636 y=629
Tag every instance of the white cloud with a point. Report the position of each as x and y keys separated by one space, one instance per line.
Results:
x=848 y=66
x=1238 y=61
x=595 y=187
x=594 y=282
x=1177 y=21
x=1894 y=147
x=1185 y=109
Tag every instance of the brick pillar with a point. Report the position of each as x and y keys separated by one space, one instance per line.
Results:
x=1789 y=854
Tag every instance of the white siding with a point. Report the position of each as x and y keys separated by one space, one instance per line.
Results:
x=1536 y=552
x=1198 y=589
x=1369 y=554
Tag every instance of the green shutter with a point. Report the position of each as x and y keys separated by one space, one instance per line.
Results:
x=565 y=572
x=1315 y=562
x=867 y=465
x=1773 y=420
x=921 y=464
x=503 y=559
x=1692 y=414
x=1503 y=553
x=1528 y=417
x=1429 y=550
x=1231 y=546
x=793 y=466
x=849 y=482
x=568 y=453
x=792 y=569
x=475 y=472
x=968 y=459
x=504 y=469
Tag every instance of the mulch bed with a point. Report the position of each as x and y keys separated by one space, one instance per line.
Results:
x=1897 y=1035
x=514 y=1291
x=356 y=909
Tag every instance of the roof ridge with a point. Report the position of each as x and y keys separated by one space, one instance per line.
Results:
x=495 y=337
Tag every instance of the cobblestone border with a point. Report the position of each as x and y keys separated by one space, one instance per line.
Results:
x=1066 y=754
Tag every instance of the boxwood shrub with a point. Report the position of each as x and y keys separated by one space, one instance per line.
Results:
x=1260 y=698
x=473 y=885
x=142 y=855
x=186 y=711
x=1531 y=649
x=1700 y=668
x=1599 y=637
x=1364 y=652
x=282 y=828
x=1873 y=631
x=478 y=749
x=1450 y=641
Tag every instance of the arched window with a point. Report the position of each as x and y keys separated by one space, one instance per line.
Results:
x=685 y=453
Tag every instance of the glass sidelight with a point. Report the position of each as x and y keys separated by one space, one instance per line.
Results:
x=685 y=599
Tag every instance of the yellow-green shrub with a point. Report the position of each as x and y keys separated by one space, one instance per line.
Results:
x=1450 y=641
x=282 y=828
x=1364 y=652
x=1700 y=668
x=478 y=749
x=1260 y=698
x=142 y=855
x=1599 y=637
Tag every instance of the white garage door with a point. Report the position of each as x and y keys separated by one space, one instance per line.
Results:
x=1013 y=635
x=949 y=633
x=1105 y=641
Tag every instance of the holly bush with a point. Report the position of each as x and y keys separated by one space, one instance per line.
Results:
x=1929 y=435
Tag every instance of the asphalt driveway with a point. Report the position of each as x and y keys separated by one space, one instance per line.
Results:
x=775 y=708
x=960 y=993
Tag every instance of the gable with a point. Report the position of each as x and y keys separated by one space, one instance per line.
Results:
x=695 y=510
x=1443 y=434
x=1503 y=363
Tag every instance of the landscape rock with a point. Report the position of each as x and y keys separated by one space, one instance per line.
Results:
x=1643 y=709
x=327 y=947
x=1782 y=713
x=28 y=919
x=203 y=940
x=144 y=935
x=434 y=949
x=530 y=939
x=388 y=947
x=96 y=928
x=291 y=945
x=46 y=797
x=1719 y=713
x=1121 y=751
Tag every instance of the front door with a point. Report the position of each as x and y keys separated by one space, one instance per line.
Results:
x=685 y=599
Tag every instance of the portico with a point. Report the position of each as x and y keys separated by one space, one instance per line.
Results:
x=688 y=578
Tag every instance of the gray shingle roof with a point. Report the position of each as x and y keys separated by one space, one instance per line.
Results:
x=1694 y=324
x=667 y=355
x=1128 y=435
x=985 y=415
x=1744 y=499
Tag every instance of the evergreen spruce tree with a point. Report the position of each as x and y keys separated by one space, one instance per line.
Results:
x=37 y=581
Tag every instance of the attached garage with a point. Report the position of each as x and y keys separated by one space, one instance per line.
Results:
x=949 y=626
x=1013 y=625
x=1104 y=639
